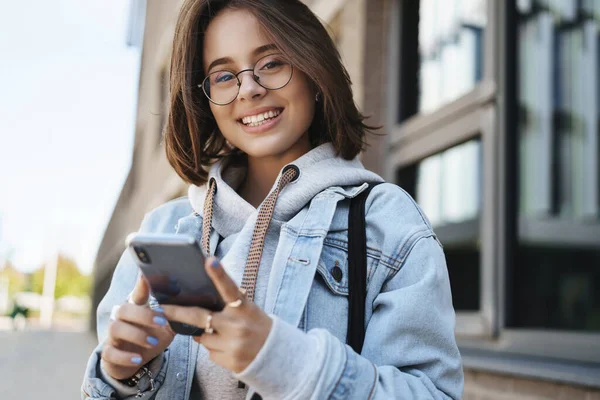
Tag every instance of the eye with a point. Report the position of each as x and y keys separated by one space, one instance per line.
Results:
x=272 y=64
x=223 y=77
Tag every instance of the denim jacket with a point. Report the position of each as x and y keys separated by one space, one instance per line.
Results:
x=409 y=351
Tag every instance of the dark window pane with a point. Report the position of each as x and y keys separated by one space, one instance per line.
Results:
x=465 y=277
x=557 y=288
x=447 y=186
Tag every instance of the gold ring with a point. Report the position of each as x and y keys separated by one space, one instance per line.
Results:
x=208 y=328
x=235 y=304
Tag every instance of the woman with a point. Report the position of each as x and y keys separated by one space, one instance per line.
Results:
x=260 y=100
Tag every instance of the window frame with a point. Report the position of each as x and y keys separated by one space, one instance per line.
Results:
x=489 y=111
x=468 y=117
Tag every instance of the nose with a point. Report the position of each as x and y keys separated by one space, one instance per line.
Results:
x=249 y=88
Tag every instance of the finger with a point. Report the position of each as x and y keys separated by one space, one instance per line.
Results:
x=212 y=342
x=120 y=357
x=143 y=316
x=227 y=288
x=120 y=331
x=195 y=316
x=141 y=292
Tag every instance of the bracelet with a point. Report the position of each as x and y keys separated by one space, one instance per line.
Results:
x=151 y=378
x=133 y=381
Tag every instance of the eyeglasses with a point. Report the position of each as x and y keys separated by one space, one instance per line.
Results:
x=271 y=72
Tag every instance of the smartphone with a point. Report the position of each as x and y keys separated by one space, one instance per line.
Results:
x=173 y=265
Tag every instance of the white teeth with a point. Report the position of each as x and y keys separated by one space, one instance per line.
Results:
x=259 y=119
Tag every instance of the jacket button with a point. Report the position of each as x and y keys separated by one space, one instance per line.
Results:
x=179 y=376
x=337 y=274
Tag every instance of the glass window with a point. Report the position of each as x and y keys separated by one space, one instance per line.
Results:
x=557 y=273
x=448 y=188
x=450 y=49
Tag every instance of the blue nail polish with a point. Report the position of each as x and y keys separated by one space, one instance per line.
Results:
x=172 y=279
x=160 y=321
x=215 y=263
x=152 y=340
x=159 y=309
x=136 y=360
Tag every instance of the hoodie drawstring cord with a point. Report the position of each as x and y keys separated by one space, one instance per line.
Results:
x=208 y=215
x=263 y=221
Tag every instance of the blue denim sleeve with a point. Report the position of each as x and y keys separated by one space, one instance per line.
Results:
x=409 y=350
x=94 y=385
x=410 y=336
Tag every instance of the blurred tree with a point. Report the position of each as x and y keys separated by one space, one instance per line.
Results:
x=69 y=280
x=17 y=280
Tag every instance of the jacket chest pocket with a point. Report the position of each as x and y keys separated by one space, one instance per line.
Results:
x=327 y=305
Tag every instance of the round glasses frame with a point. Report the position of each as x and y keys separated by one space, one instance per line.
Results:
x=255 y=77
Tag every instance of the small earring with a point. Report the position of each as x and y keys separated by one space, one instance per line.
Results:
x=318 y=97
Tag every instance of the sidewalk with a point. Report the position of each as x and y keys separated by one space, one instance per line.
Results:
x=45 y=365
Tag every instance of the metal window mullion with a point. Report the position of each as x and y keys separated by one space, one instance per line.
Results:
x=471 y=324
x=393 y=84
x=589 y=78
x=489 y=232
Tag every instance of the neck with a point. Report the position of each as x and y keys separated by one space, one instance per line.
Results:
x=263 y=171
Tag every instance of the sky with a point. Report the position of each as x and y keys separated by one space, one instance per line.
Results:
x=68 y=94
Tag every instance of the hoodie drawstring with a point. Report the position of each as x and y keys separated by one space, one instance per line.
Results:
x=263 y=220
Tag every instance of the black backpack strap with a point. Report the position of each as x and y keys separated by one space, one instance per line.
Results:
x=357 y=270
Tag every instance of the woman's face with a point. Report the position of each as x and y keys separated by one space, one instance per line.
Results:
x=233 y=36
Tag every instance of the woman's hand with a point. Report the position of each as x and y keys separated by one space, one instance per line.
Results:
x=240 y=329
x=136 y=336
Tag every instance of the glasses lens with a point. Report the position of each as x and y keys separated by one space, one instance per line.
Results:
x=273 y=71
x=221 y=87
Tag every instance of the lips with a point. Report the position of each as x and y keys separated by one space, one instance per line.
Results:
x=256 y=126
x=260 y=119
x=259 y=115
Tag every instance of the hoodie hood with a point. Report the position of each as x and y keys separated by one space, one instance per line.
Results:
x=319 y=169
x=228 y=214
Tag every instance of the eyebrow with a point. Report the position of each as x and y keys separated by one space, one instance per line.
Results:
x=256 y=52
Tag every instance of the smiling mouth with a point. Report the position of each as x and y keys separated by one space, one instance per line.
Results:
x=260 y=119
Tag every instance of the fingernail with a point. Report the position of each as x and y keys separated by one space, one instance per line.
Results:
x=136 y=360
x=159 y=309
x=172 y=279
x=160 y=321
x=152 y=340
x=215 y=263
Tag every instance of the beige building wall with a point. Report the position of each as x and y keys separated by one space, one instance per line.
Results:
x=361 y=29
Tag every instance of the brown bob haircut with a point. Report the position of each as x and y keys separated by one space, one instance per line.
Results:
x=193 y=141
